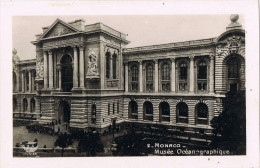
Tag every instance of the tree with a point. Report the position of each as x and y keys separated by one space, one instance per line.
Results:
x=91 y=143
x=63 y=141
x=229 y=128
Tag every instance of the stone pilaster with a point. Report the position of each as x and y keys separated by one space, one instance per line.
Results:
x=156 y=80
x=45 y=66
x=75 y=69
x=173 y=75
x=191 y=74
x=126 y=76
x=211 y=74
x=81 y=61
x=140 y=76
x=50 y=69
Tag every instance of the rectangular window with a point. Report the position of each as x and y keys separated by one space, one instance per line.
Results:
x=183 y=72
x=202 y=72
x=108 y=109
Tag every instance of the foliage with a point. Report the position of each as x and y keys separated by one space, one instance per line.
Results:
x=229 y=128
x=90 y=142
x=129 y=144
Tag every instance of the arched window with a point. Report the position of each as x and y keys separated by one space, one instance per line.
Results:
x=149 y=77
x=32 y=103
x=164 y=110
x=134 y=78
x=25 y=105
x=182 y=113
x=202 y=75
x=233 y=68
x=34 y=76
x=114 y=66
x=27 y=81
x=14 y=105
x=165 y=73
x=108 y=57
x=183 y=76
x=93 y=113
x=148 y=111
x=133 y=110
x=66 y=73
x=201 y=114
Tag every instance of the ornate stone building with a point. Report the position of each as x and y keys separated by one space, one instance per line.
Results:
x=86 y=77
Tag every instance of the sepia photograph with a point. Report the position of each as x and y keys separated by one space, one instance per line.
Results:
x=79 y=90
x=129 y=84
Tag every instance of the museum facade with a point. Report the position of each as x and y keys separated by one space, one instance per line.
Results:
x=86 y=77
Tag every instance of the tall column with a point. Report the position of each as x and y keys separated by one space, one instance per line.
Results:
x=126 y=76
x=50 y=69
x=59 y=73
x=156 y=81
x=45 y=66
x=81 y=59
x=191 y=74
x=173 y=75
x=22 y=81
x=30 y=81
x=75 y=69
x=211 y=74
x=140 y=76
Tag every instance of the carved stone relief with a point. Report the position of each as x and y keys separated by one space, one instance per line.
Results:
x=39 y=68
x=58 y=30
x=93 y=63
x=233 y=45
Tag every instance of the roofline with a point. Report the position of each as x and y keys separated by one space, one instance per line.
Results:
x=172 y=45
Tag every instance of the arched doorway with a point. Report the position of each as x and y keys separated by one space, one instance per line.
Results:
x=148 y=111
x=164 y=110
x=66 y=73
x=202 y=114
x=182 y=113
x=63 y=113
x=133 y=110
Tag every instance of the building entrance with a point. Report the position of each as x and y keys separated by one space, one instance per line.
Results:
x=63 y=116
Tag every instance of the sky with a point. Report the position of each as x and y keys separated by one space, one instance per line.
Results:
x=141 y=30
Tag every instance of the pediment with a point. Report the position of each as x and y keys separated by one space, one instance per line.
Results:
x=59 y=28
